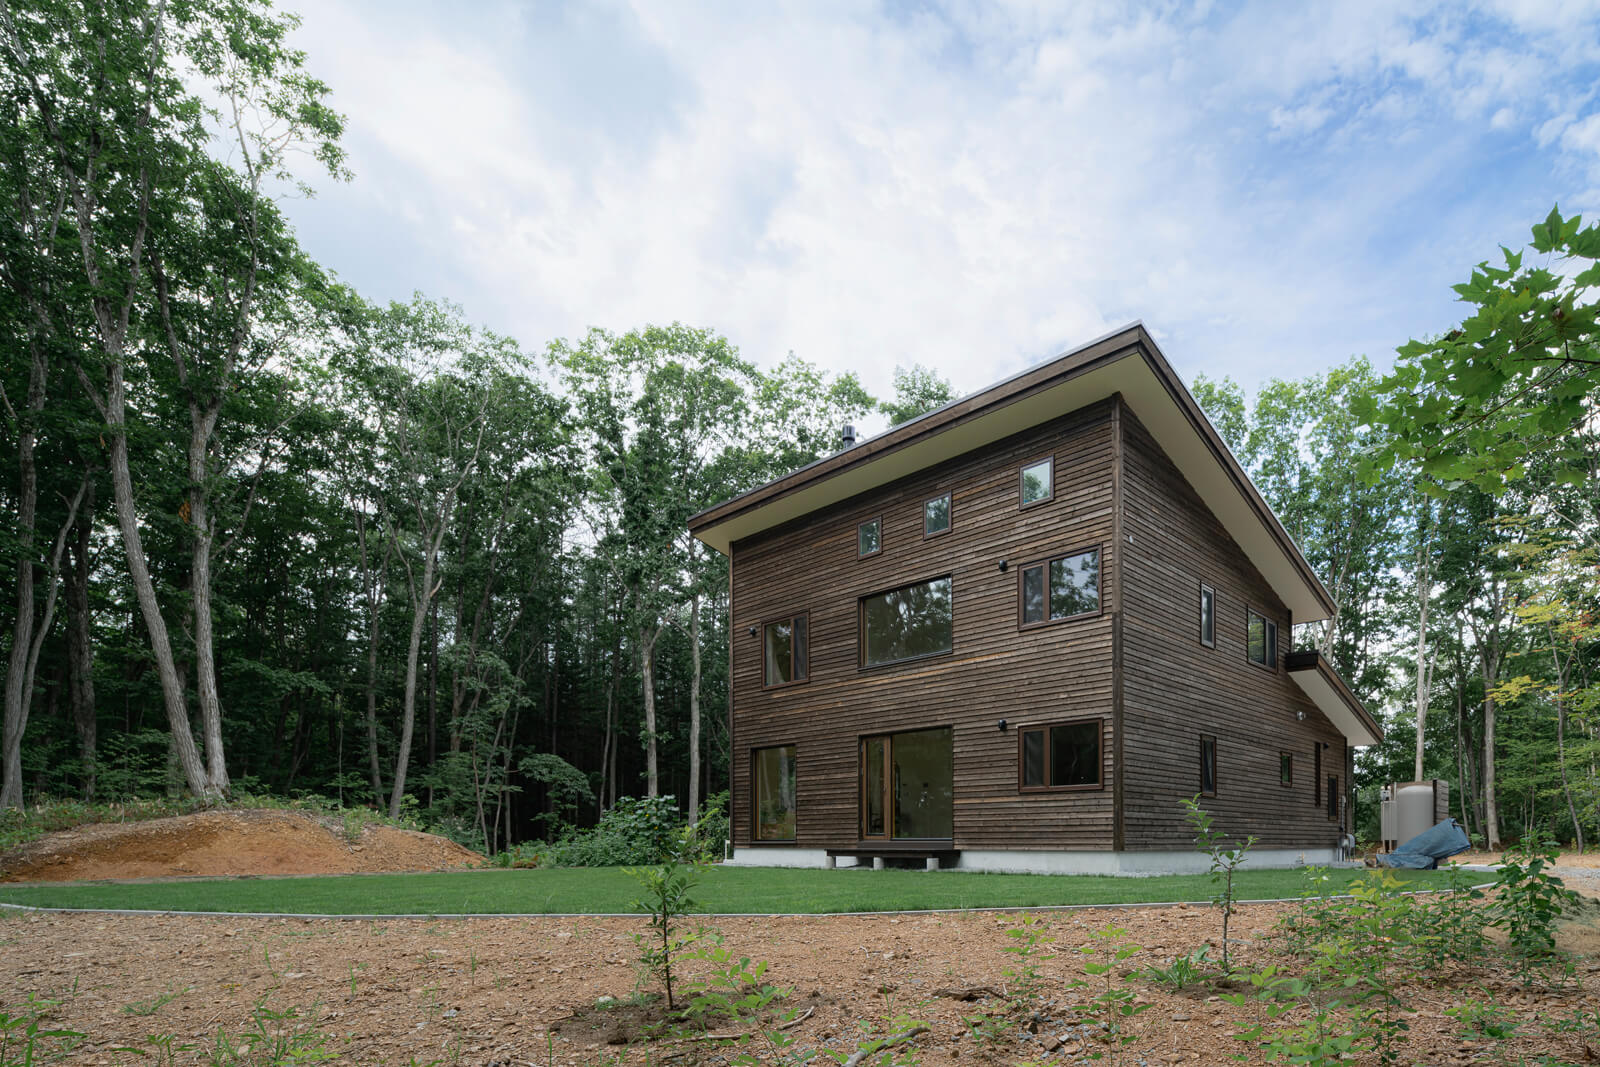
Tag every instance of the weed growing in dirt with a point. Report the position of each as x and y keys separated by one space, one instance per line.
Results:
x=274 y=1038
x=1115 y=1005
x=1528 y=898
x=1224 y=861
x=161 y=1050
x=886 y=1044
x=26 y=1038
x=1479 y=1018
x=1184 y=971
x=149 y=1007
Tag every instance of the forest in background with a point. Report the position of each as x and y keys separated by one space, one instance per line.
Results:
x=261 y=535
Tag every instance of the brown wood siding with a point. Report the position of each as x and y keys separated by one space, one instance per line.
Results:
x=1176 y=689
x=995 y=671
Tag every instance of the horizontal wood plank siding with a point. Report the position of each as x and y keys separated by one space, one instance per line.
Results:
x=1176 y=689
x=995 y=671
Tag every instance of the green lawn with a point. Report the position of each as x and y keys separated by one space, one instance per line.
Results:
x=608 y=889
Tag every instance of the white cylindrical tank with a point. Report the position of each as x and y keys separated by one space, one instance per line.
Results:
x=1414 y=809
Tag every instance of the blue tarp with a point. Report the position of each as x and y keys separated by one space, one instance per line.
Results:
x=1423 y=852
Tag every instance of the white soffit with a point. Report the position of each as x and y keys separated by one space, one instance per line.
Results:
x=1331 y=704
x=1161 y=414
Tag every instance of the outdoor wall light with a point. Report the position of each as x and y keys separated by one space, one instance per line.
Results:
x=1300 y=715
x=752 y=631
x=1002 y=725
x=1002 y=566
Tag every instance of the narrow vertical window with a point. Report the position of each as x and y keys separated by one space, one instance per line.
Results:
x=936 y=515
x=774 y=788
x=869 y=537
x=1333 y=796
x=1208 y=616
x=1208 y=765
x=1261 y=639
x=1285 y=769
x=1038 y=481
x=784 y=650
x=1316 y=774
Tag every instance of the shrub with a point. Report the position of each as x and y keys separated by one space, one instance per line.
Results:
x=637 y=832
x=1529 y=899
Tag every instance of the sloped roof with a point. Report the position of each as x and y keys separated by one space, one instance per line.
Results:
x=1127 y=361
x=1313 y=673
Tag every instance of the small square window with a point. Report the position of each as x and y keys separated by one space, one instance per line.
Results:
x=1208 y=616
x=869 y=537
x=1208 y=765
x=1285 y=769
x=1038 y=481
x=936 y=515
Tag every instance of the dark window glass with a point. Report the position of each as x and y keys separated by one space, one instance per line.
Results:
x=784 y=645
x=1075 y=584
x=922 y=765
x=1333 y=796
x=1075 y=754
x=936 y=515
x=1261 y=640
x=905 y=623
x=1208 y=616
x=868 y=537
x=1033 y=594
x=1208 y=765
x=774 y=792
x=874 y=817
x=1061 y=756
x=1285 y=769
x=1033 y=758
x=1037 y=481
x=1316 y=774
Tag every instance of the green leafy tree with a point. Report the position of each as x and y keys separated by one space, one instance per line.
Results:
x=917 y=391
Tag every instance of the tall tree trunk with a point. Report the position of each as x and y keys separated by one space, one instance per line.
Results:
x=1491 y=812
x=694 y=709
x=421 y=599
x=80 y=645
x=205 y=661
x=1424 y=681
x=373 y=584
x=1561 y=754
x=18 y=695
x=144 y=589
x=647 y=662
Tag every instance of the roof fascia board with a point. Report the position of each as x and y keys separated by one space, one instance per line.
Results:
x=1343 y=708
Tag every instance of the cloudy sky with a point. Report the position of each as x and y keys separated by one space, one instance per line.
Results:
x=974 y=187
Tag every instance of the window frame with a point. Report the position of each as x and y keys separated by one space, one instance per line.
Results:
x=1022 y=471
x=859 y=527
x=1286 y=769
x=1333 y=804
x=1210 y=739
x=1022 y=577
x=1208 y=590
x=1316 y=774
x=1045 y=728
x=762 y=648
x=1269 y=640
x=861 y=624
x=755 y=794
x=949 y=499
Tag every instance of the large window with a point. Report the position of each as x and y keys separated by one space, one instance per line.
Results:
x=1038 y=481
x=936 y=515
x=869 y=537
x=908 y=785
x=1063 y=756
x=773 y=810
x=1061 y=588
x=784 y=644
x=1261 y=639
x=1208 y=616
x=906 y=623
x=1208 y=765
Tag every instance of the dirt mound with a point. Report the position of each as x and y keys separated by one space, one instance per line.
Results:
x=220 y=843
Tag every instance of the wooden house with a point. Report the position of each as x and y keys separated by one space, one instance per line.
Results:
x=1012 y=633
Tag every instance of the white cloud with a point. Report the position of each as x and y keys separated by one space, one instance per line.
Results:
x=970 y=187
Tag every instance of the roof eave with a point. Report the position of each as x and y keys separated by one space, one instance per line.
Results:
x=1336 y=700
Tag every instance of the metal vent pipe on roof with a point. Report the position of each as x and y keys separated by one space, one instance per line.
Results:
x=847 y=436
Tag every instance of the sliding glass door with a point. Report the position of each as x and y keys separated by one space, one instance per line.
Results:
x=907 y=786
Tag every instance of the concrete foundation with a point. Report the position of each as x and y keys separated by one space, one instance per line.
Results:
x=1018 y=861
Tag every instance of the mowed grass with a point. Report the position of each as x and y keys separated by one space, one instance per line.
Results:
x=721 y=890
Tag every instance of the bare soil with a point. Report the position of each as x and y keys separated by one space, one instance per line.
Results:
x=225 y=843
x=533 y=991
